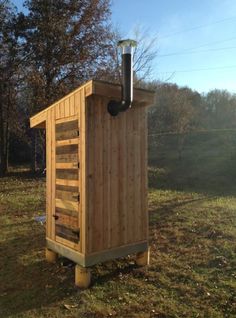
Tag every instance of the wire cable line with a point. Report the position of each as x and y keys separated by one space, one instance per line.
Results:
x=210 y=43
x=193 y=132
x=197 y=27
x=196 y=52
x=200 y=69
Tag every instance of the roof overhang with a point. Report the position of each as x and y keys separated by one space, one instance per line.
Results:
x=142 y=97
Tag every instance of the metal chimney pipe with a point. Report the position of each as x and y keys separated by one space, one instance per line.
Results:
x=115 y=107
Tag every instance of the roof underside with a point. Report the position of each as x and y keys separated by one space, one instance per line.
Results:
x=113 y=91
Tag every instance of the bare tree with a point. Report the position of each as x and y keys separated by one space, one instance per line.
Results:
x=144 y=56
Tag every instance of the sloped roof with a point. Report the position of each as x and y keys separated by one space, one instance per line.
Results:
x=95 y=87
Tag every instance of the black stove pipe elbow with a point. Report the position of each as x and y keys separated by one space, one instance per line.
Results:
x=114 y=107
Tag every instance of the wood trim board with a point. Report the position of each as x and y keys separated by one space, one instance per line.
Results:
x=92 y=259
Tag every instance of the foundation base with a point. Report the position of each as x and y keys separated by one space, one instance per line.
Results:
x=51 y=256
x=82 y=276
x=143 y=258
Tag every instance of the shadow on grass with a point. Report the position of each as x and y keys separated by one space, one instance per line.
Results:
x=27 y=280
x=167 y=210
x=112 y=270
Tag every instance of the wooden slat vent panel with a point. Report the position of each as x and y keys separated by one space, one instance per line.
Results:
x=67 y=200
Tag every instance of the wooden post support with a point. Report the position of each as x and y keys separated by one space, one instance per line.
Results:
x=143 y=258
x=82 y=276
x=51 y=256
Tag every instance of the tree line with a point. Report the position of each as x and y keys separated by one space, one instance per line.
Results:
x=181 y=110
x=54 y=46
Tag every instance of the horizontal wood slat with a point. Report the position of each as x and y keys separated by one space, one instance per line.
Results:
x=66 y=212
x=67 y=188
x=67 y=165
x=71 y=174
x=66 y=233
x=65 y=195
x=66 y=119
x=67 y=220
x=64 y=158
x=71 y=183
x=70 y=134
x=65 y=204
x=66 y=142
x=68 y=149
x=72 y=245
x=65 y=126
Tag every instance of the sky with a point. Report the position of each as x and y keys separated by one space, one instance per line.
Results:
x=195 y=40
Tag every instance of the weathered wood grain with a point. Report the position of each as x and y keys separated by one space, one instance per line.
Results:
x=71 y=174
x=66 y=125
x=67 y=233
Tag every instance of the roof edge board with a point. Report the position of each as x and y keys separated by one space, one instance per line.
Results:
x=95 y=87
x=88 y=91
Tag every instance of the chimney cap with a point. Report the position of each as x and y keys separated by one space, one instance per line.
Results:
x=127 y=42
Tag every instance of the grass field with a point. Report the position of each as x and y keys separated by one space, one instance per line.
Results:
x=192 y=206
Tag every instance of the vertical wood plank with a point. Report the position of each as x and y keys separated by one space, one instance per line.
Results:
x=137 y=175
x=98 y=168
x=80 y=216
x=130 y=175
x=77 y=105
x=61 y=109
x=48 y=175
x=122 y=210
x=67 y=107
x=77 y=102
x=53 y=170
x=83 y=171
x=106 y=177
x=72 y=105
x=114 y=192
x=90 y=171
x=57 y=111
x=144 y=174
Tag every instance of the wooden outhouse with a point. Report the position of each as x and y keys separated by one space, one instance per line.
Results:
x=96 y=179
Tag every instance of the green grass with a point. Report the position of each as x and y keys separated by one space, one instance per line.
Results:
x=192 y=206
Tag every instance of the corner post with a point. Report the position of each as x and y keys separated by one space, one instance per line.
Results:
x=143 y=258
x=82 y=276
x=51 y=256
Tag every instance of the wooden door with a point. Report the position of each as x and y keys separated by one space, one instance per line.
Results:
x=67 y=194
